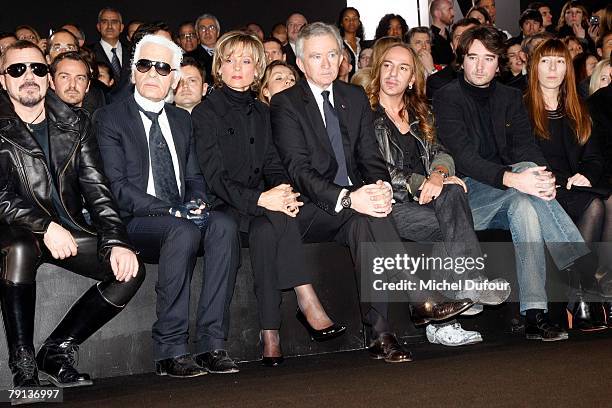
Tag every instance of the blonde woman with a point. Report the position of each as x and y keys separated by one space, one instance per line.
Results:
x=248 y=182
x=601 y=76
x=278 y=76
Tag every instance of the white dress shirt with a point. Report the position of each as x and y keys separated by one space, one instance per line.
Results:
x=151 y=106
x=109 y=53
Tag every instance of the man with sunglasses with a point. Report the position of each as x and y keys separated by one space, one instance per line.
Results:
x=149 y=156
x=49 y=167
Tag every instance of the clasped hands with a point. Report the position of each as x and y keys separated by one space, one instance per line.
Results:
x=62 y=245
x=281 y=198
x=375 y=199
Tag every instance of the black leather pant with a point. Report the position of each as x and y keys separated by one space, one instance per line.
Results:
x=22 y=252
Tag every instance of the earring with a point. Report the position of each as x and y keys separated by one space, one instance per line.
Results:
x=410 y=86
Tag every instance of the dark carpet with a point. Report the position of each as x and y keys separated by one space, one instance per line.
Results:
x=504 y=372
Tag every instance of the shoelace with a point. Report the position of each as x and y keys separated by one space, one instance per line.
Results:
x=26 y=363
x=72 y=353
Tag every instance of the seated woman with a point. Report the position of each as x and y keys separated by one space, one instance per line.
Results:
x=278 y=76
x=247 y=181
x=601 y=76
x=562 y=127
x=430 y=201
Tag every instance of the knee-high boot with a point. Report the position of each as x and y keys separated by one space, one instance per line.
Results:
x=58 y=356
x=18 y=302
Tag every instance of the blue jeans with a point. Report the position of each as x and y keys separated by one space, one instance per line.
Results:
x=533 y=223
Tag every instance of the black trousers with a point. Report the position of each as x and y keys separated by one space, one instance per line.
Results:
x=22 y=252
x=174 y=243
x=277 y=259
x=351 y=229
x=448 y=220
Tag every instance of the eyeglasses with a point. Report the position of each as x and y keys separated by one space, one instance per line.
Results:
x=162 y=68
x=63 y=47
x=16 y=70
x=187 y=36
x=208 y=28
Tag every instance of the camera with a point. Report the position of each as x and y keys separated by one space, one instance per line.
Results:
x=594 y=21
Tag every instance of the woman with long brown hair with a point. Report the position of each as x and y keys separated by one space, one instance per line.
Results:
x=574 y=21
x=430 y=201
x=562 y=127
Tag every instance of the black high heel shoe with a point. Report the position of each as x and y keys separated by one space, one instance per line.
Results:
x=270 y=361
x=327 y=333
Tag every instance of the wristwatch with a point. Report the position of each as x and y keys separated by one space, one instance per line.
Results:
x=345 y=201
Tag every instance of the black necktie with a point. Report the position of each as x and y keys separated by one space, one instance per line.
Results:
x=164 y=177
x=335 y=137
x=115 y=63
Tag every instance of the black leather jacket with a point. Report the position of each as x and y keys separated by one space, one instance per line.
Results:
x=405 y=184
x=76 y=167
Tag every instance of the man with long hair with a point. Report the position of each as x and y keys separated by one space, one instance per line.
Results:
x=430 y=201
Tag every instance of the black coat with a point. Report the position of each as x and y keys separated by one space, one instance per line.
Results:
x=457 y=123
x=238 y=162
x=75 y=166
x=600 y=107
x=306 y=152
x=125 y=152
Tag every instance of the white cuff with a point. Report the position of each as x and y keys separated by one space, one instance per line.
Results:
x=339 y=201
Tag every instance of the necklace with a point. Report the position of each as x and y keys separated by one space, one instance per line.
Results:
x=29 y=124
x=399 y=123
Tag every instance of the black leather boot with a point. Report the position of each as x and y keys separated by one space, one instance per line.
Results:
x=578 y=309
x=58 y=356
x=18 y=301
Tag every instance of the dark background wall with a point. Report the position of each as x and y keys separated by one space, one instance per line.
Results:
x=232 y=14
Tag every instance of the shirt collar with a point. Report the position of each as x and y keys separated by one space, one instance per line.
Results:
x=107 y=47
x=147 y=104
x=316 y=90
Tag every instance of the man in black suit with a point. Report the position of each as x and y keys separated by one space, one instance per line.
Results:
x=325 y=136
x=208 y=29
x=295 y=22
x=110 y=49
x=149 y=157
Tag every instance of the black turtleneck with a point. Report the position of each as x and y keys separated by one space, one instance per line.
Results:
x=482 y=98
x=241 y=100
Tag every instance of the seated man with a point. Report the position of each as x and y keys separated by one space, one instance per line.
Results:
x=323 y=130
x=484 y=125
x=149 y=156
x=49 y=167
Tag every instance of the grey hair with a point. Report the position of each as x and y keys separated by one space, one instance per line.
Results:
x=317 y=29
x=177 y=52
x=105 y=9
x=212 y=17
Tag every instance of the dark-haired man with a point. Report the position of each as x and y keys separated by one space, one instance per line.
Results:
x=49 y=167
x=484 y=125
x=274 y=50
x=530 y=23
x=187 y=36
x=70 y=75
x=61 y=41
x=442 y=77
x=192 y=86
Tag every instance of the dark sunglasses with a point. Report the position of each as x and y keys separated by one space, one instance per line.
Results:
x=16 y=70
x=162 y=68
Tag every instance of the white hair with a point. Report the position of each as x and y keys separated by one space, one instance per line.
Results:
x=177 y=52
x=317 y=29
